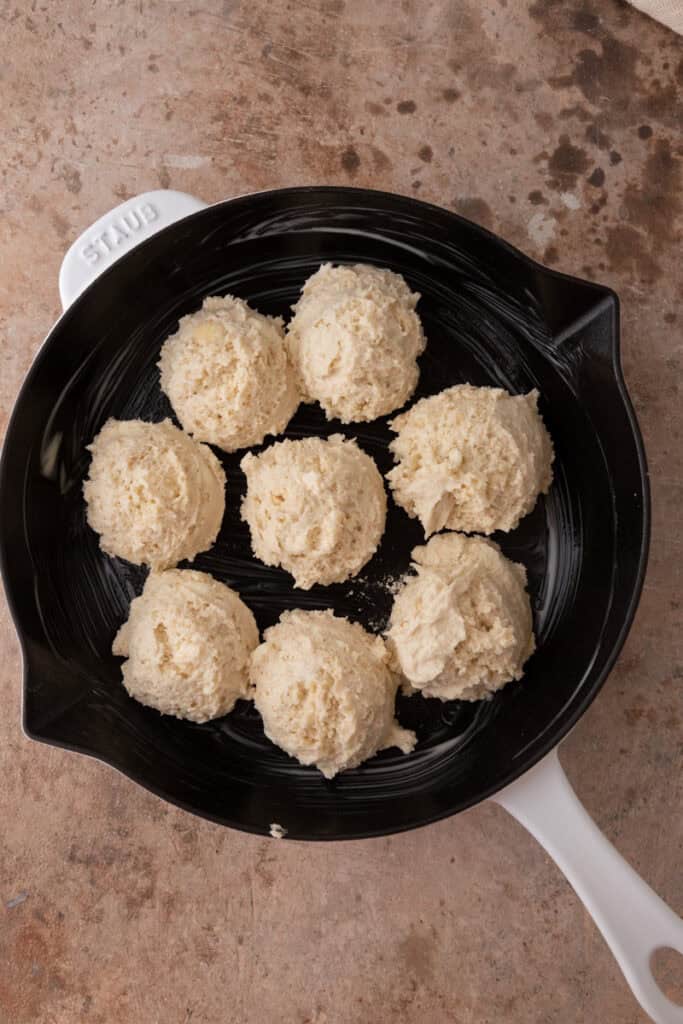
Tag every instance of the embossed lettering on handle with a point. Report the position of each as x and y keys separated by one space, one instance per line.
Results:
x=116 y=233
x=118 y=230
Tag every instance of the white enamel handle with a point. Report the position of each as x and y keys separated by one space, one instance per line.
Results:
x=633 y=919
x=116 y=233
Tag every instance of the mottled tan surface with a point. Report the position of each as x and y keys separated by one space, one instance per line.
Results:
x=554 y=125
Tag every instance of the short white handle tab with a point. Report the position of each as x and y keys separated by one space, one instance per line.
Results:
x=633 y=919
x=116 y=233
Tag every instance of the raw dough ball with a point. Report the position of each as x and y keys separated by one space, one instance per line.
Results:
x=462 y=627
x=325 y=691
x=354 y=340
x=227 y=374
x=471 y=459
x=188 y=640
x=154 y=495
x=316 y=507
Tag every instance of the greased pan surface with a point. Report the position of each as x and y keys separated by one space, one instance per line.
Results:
x=492 y=317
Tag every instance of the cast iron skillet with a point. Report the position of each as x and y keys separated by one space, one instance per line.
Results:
x=492 y=317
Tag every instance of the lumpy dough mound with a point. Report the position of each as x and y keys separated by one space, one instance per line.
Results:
x=316 y=507
x=228 y=376
x=325 y=691
x=461 y=627
x=154 y=495
x=471 y=459
x=354 y=340
x=187 y=641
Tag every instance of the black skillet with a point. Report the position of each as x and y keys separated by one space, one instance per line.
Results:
x=492 y=317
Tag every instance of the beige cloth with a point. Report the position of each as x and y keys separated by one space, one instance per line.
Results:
x=668 y=12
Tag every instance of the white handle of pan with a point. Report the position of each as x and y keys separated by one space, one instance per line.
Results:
x=633 y=920
x=116 y=233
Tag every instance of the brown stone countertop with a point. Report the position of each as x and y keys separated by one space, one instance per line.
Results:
x=555 y=124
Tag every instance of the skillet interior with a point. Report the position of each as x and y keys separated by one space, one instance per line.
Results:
x=491 y=317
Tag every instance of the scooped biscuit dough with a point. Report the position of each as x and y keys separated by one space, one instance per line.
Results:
x=154 y=495
x=462 y=627
x=316 y=507
x=354 y=340
x=471 y=459
x=228 y=376
x=325 y=691
x=187 y=641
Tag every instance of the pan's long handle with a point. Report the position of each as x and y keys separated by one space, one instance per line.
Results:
x=116 y=233
x=632 y=918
